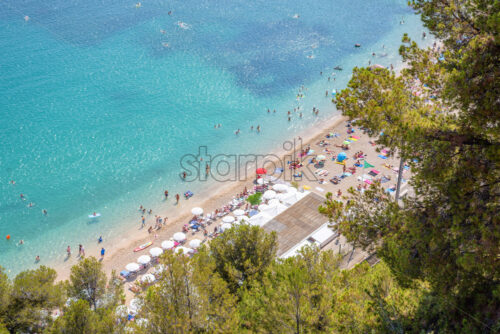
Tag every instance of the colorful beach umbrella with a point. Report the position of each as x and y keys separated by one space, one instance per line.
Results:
x=341 y=156
x=261 y=171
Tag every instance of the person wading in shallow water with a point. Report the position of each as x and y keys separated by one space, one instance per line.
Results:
x=177 y=197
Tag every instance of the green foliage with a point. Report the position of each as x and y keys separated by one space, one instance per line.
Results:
x=188 y=297
x=254 y=199
x=78 y=318
x=88 y=281
x=448 y=234
x=32 y=296
x=294 y=295
x=242 y=254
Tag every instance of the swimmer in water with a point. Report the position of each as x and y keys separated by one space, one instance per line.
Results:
x=94 y=214
x=37 y=258
x=138 y=5
x=26 y=18
x=169 y=12
x=12 y=182
x=44 y=212
x=21 y=242
x=237 y=132
x=163 y=31
x=22 y=196
x=258 y=128
x=166 y=194
x=165 y=44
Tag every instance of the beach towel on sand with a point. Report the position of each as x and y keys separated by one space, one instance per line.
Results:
x=382 y=156
x=368 y=181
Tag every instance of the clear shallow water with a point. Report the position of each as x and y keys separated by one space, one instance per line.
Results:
x=96 y=112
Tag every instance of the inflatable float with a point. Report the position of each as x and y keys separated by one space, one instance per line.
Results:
x=143 y=246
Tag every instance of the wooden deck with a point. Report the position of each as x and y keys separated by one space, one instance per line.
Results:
x=297 y=222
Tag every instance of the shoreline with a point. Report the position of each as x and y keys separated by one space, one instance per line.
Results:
x=211 y=196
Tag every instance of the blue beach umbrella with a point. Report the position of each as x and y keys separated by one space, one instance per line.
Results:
x=341 y=156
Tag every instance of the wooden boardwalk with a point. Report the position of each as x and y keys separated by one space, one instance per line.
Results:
x=297 y=222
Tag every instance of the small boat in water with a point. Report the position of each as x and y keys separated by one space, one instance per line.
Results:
x=357 y=45
x=338 y=68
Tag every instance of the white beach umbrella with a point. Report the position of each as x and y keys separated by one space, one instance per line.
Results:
x=260 y=219
x=148 y=278
x=132 y=266
x=158 y=269
x=291 y=190
x=197 y=211
x=282 y=196
x=195 y=243
x=121 y=311
x=156 y=251
x=260 y=181
x=273 y=202
x=241 y=218
x=225 y=226
x=263 y=207
x=179 y=236
x=275 y=210
x=269 y=194
x=321 y=157
x=167 y=244
x=183 y=250
x=135 y=305
x=144 y=259
x=280 y=187
x=228 y=219
x=238 y=212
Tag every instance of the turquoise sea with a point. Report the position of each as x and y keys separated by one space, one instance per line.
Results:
x=99 y=100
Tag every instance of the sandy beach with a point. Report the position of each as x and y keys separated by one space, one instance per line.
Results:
x=216 y=196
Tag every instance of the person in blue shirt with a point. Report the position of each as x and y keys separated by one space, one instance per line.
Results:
x=102 y=252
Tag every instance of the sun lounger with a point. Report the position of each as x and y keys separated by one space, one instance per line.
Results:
x=382 y=156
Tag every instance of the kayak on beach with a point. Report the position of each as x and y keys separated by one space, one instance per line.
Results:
x=143 y=246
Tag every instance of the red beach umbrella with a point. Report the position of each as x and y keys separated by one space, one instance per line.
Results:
x=261 y=171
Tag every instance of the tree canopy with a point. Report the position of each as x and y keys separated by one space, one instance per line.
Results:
x=441 y=115
x=243 y=254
